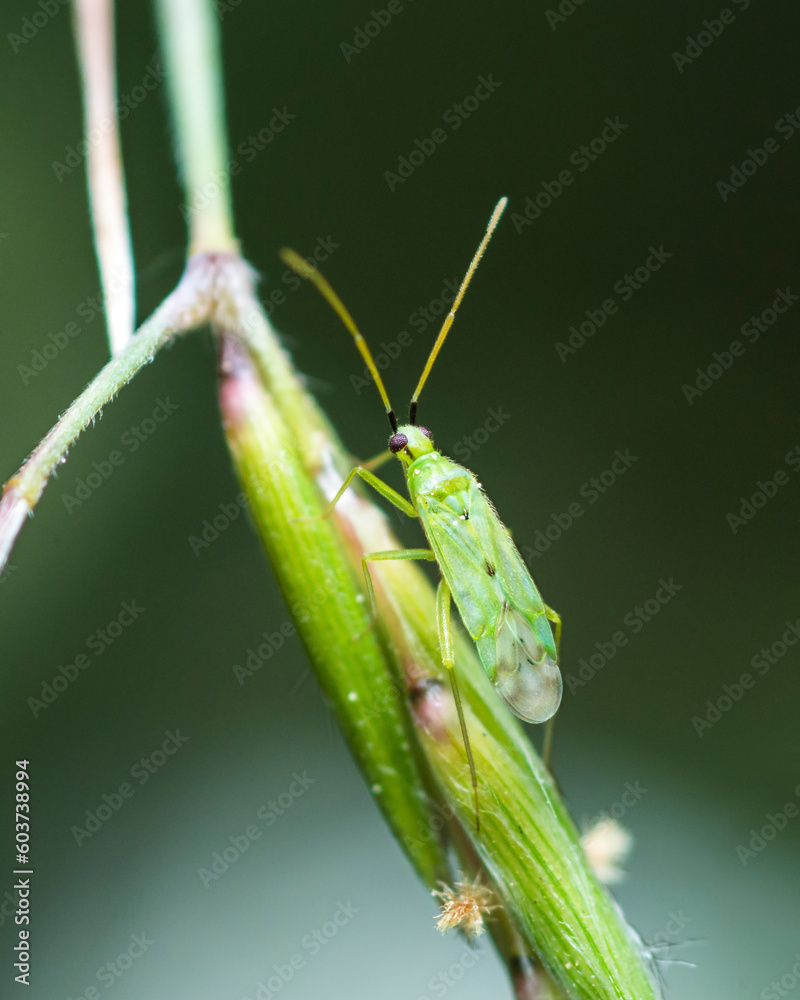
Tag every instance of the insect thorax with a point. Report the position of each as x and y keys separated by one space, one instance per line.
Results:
x=436 y=476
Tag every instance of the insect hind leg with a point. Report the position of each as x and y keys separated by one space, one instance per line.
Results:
x=448 y=659
x=555 y=618
x=386 y=556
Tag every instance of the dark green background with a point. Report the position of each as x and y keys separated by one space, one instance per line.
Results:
x=666 y=517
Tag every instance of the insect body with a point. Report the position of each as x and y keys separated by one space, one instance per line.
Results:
x=480 y=565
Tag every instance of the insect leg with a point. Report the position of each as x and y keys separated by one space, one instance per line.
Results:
x=389 y=554
x=555 y=618
x=377 y=484
x=448 y=659
x=378 y=460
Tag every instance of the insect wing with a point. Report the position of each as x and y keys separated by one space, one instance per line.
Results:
x=526 y=673
x=462 y=562
x=498 y=601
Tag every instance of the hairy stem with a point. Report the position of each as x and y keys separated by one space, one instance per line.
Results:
x=190 y=40
x=186 y=308
x=94 y=37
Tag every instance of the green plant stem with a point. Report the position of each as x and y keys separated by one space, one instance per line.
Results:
x=190 y=41
x=94 y=38
x=187 y=307
x=326 y=603
x=386 y=683
x=527 y=843
x=527 y=840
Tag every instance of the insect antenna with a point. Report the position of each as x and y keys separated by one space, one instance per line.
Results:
x=498 y=211
x=306 y=270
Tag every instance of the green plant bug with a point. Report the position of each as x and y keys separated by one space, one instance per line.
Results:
x=481 y=567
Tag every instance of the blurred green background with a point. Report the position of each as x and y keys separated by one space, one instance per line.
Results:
x=627 y=722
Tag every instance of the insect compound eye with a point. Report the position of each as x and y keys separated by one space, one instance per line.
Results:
x=427 y=433
x=397 y=442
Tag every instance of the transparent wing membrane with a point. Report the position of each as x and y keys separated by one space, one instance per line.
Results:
x=527 y=678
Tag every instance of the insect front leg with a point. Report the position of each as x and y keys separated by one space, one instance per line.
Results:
x=378 y=460
x=377 y=484
x=547 y=749
x=387 y=555
x=448 y=659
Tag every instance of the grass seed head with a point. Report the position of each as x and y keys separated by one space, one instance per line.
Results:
x=464 y=906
